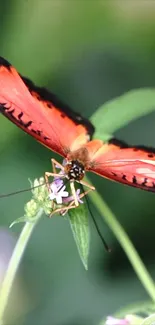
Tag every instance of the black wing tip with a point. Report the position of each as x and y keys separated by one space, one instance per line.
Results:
x=145 y=148
x=4 y=62
x=118 y=143
x=122 y=144
x=49 y=96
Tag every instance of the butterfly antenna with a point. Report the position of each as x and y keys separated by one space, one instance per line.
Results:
x=27 y=190
x=107 y=248
x=21 y=191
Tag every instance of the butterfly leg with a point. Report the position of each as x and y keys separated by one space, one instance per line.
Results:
x=55 y=164
x=47 y=175
x=92 y=188
x=74 y=193
x=87 y=185
x=62 y=211
x=72 y=205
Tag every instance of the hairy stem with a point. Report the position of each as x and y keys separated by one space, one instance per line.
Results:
x=14 y=263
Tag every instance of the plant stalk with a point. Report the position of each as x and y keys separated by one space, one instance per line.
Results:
x=14 y=263
x=125 y=242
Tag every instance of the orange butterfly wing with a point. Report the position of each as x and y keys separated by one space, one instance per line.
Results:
x=134 y=166
x=40 y=114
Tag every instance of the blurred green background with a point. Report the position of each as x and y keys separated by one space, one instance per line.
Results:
x=86 y=52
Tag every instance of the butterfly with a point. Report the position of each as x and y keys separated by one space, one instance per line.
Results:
x=42 y=115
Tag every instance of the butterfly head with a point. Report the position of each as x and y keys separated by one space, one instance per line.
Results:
x=74 y=170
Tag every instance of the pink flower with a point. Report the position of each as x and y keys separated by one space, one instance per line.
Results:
x=71 y=198
x=116 y=321
x=58 y=191
x=58 y=182
x=59 y=194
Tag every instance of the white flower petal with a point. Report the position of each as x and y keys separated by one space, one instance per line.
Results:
x=64 y=194
x=59 y=199
x=116 y=321
x=52 y=196
x=53 y=187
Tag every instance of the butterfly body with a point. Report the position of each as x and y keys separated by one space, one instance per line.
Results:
x=74 y=170
x=40 y=114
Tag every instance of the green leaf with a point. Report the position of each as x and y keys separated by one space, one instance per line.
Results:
x=21 y=219
x=80 y=227
x=120 y=111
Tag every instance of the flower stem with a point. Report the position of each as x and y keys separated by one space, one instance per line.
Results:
x=126 y=243
x=14 y=263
